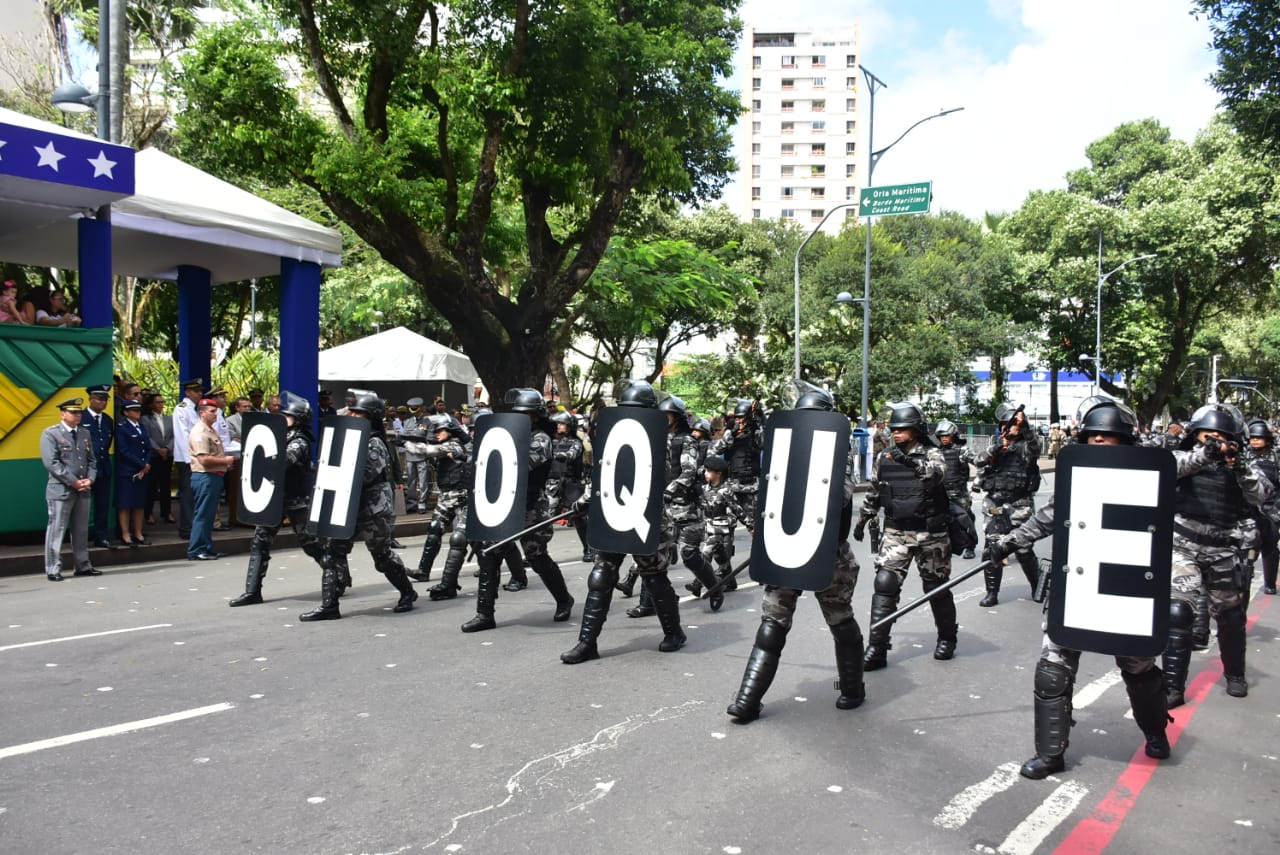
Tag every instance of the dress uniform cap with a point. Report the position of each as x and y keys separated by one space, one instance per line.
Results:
x=131 y=405
x=214 y=393
x=414 y=402
x=101 y=391
x=72 y=405
x=194 y=383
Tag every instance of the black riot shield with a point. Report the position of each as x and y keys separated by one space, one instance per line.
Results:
x=1112 y=549
x=801 y=493
x=335 y=499
x=627 y=481
x=501 y=477
x=261 y=499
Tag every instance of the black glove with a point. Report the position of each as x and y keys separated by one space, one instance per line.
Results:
x=860 y=531
x=898 y=455
x=579 y=505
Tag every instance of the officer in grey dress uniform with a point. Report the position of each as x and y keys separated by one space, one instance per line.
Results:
x=67 y=453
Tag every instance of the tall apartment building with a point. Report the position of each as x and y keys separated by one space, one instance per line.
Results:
x=801 y=154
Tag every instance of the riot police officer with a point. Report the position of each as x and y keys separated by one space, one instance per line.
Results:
x=779 y=607
x=446 y=447
x=652 y=570
x=1261 y=452
x=375 y=521
x=564 y=479
x=957 y=478
x=680 y=497
x=907 y=483
x=297 y=499
x=1102 y=422
x=534 y=544
x=1217 y=485
x=1010 y=477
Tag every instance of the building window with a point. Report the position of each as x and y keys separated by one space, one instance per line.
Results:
x=788 y=127
x=816 y=215
x=755 y=148
x=818 y=106
x=818 y=127
x=818 y=193
x=755 y=170
x=850 y=148
x=788 y=106
x=817 y=172
x=755 y=213
x=788 y=62
x=788 y=192
x=818 y=149
x=788 y=171
x=851 y=83
x=850 y=106
x=849 y=126
x=848 y=170
x=755 y=127
x=850 y=61
x=755 y=194
x=789 y=214
x=819 y=83
x=788 y=83
x=819 y=62
x=755 y=84
x=788 y=149
x=850 y=213
x=851 y=194
x=757 y=62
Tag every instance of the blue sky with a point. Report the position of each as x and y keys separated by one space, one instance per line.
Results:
x=1039 y=80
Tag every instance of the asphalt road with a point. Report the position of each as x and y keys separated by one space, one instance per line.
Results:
x=177 y=724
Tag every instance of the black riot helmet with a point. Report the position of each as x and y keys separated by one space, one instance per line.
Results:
x=1107 y=416
x=295 y=405
x=637 y=393
x=563 y=417
x=444 y=421
x=946 y=427
x=907 y=415
x=742 y=409
x=703 y=426
x=525 y=401
x=1006 y=411
x=1224 y=418
x=370 y=404
x=816 y=399
x=675 y=406
x=1260 y=428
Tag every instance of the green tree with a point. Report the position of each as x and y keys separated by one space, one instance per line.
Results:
x=484 y=149
x=1248 y=75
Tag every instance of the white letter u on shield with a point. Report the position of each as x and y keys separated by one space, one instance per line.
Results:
x=795 y=549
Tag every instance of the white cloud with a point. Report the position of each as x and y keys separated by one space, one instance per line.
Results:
x=1071 y=73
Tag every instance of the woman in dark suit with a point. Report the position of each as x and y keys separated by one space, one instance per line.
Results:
x=133 y=462
x=160 y=479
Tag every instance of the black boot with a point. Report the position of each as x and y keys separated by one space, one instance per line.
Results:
x=1053 y=720
x=1270 y=564
x=343 y=569
x=486 y=596
x=447 y=588
x=705 y=578
x=1146 y=697
x=1030 y=568
x=253 y=581
x=884 y=602
x=667 y=606
x=1231 y=647
x=594 y=612
x=396 y=574
x=515 y=568
x=762 y=665
x=328 y=594
x=1177 y=652
x=645 y=607
x=1200 y=626
x=992 y=577
x=549 y=571
x=944 y=618
x=627 y=587
x=848 y=639
x=430 y=549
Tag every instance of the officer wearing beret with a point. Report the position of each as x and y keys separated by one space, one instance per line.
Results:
x=102 y=434
x=67 y=453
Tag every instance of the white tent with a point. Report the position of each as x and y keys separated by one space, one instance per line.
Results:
x=399 y=364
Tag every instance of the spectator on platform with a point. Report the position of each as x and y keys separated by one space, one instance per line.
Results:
x=10 y=311
x=56 y=313
x=160 y=477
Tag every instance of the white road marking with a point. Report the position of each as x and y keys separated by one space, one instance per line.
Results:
x=1033 y=830
x=1091 y=692
x=86 y=635
x=966 y=803
x=112 y=730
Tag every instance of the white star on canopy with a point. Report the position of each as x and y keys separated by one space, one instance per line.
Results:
x=102 y=166
x=3 y=143
x=49 y=156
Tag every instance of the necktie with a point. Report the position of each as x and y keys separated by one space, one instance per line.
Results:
x=73 y=436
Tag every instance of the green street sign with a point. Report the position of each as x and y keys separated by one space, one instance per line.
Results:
x=893 y=199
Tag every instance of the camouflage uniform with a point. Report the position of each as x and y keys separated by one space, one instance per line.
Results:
x=684 y=491
x=1008 y=476
x=450 y=461
x=1212 y=498
x=564 y=483
x=742 y=448
x=297 y=500
x=910 y=491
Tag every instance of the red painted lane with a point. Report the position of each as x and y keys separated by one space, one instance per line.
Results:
x=1094 y=833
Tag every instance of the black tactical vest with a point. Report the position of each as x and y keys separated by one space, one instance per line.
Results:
x=907 y=503
x=451 y=474
x=297 y=477
x=561 y=469
x=675 y=450
x=537 y=479
x=1007 y=477
x=1266 y=464
x=1212 y=496
x=957 y=478
x=743 y=458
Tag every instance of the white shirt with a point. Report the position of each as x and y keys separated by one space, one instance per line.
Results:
x=184 y=419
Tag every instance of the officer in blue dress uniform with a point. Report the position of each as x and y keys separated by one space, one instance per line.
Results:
x=102 y=433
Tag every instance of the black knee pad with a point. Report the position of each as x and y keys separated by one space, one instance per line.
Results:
x=1181 y=614
x=1052 y=680
x=847 y=632
x=887 y=583
x=689 y=554
x=771 y=636
x=435 y=527
x=458 y=540
x=601 y=578
x=656 y=584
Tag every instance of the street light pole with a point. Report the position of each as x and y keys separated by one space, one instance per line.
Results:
x=874 y=83
x=799 y=249
x=1097 y=339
